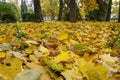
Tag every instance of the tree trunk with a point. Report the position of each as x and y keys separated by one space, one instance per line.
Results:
x=119 y=12
x=23 y=9
x=109 y=11
x=60 y=10
x=52 y=10
x=37 y=11
x=72 y=11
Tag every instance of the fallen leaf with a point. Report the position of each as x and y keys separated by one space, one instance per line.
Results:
x=62 y=56
x=18 y=55
x=31 y=42
x=34 y=59
x=30 y=49
x=72 y=75
x=2 y=55
x=10 y=68
x=28 y=75
x=35 y=67
x=62 y=36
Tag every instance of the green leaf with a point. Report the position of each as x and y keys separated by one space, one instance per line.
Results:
x=118 y=42
x=45 y=36
x=79 y=47
x=56 y=66
x=23 y=46
x=52 y=73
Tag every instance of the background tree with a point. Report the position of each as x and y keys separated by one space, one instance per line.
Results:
x=86 y=6
x=61 y=5
x=50 y=9
x=90 y=5
x=115 y=8
x=98 y=14
x=37 y=11
x=109 y=11
x=119 y=12
x=8 y=12
x=72 y=11
x=23 y=8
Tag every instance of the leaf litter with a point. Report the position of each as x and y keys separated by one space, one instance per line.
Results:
x=60 y=50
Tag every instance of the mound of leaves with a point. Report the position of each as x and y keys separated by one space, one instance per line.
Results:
x=60 y=51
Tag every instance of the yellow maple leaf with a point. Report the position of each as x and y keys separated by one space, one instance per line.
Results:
x=79 y=37
x=63 y=56
x=30 y=49
x=107 y=50
x=92 y=71
x=33 y=58
x=43 y=50
x=62 y=36
x=10 y=68
x=2 y=55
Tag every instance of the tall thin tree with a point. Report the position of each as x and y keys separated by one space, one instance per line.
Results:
x=72 y=16
x=61 y=5
x=51 y=10
x=119 y=12
x=109 y=11
x=23 y=8
x=37 y=11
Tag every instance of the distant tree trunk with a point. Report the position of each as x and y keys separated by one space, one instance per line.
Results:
x=37 y=11
x=109 y=11
x=119 y=12
x=73 y=16
x=23 y=8
x=51 y=10
x=60 y=10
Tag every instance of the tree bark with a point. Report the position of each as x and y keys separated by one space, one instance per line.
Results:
x=109 y=11
x=51 y=10
x=23 y=9
x=60 y=10
x=119 y=12
x=37 y=11
x=72 y=17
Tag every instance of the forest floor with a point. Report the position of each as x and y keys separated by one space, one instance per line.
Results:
x=60 y=51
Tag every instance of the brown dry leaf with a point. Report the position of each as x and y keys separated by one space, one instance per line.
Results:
x=50 y=45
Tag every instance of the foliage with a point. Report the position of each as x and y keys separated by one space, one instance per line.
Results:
x=28 y=17
x=90 y=5
x=70 y=51
x=115 y=7
x=100 y=14
x=49 y=8
x=8 y=12
x=23 y=9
